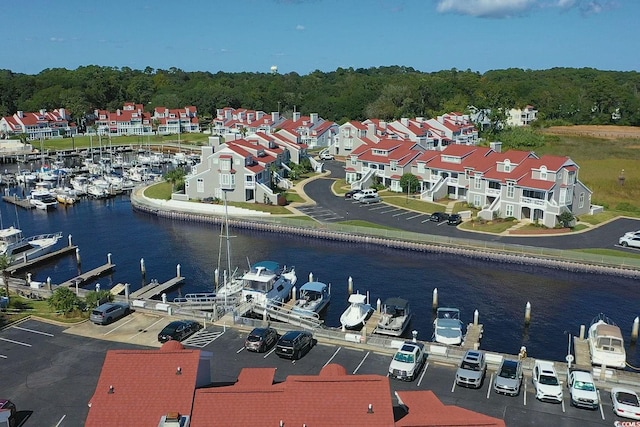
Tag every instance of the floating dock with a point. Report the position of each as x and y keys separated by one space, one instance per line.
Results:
x=15 y=200
x=41 y=259
x=472 y=338
x=155 y=288
x=96 y=272
x=582 y=353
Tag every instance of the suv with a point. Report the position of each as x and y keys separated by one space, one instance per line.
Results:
x=545 y=379
x=370 y=198
x=454 y=219
x=366 y=191
x=261 y=339
x=408 y=361
x=509 y=377
x=326 y=156
x=583 y=390
x=439 y=217
x=294 y=344
x=472 y=369
x=109 y=312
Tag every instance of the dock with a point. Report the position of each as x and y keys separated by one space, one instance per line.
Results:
x=21 y=266
x=155 y=288
x=96 y=272
x=472 y=338
x=15 y=200
x=372 y=322
x=581 y=352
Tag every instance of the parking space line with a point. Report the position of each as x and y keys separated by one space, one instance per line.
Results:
x=525 y=393
x=563 y=410
x=361 y=363
x=402 y=213
x=3 y=356
x=32 y=330
x=271 y=351
x=426 y=220
x=489 y=388
x=331 y=358
x=16 y=342
x=415 y=216
x=241 y=349
x=424 y=371
x=389 y=211
x=119 y=326
x=600 y=404
x=454 y=386
x=61 y=420
x=145 y=329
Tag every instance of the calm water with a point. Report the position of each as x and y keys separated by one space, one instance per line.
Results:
x=560 y=301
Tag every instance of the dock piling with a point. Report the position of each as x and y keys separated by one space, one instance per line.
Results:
x=216 y=277
x=527 y=314
x=126 y=292
x=178 y=270
x=310 y=276
x=49 y=283
x=634 y=329
x=164 y=297
x=378 y=305
x=70 y=243
x=143 y=269
x=434 y=302
x=476 y=315
x=582 y=331
x=350 y=286
x=78 y=256
x=294 y=293
x=97 y=287
x=109 y=258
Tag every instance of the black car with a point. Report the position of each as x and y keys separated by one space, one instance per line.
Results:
x=349 y=194
x=439 y=217
x=294 y=344
x=454 y=219
x=179 y=330
x=261 y=339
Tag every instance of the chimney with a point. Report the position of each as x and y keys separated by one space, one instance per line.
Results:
x=296 y=116
x=172 y=419
x=404 y=121
x=314 y=117
x=20 y=114
x=496 y=146
x=275 y=116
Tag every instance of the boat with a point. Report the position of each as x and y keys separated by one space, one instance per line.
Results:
x=14 y=245
x=396 y=315
x=314 y=297
x=357 y=313
x=268 y=284
x=606 y=344
x=43 y=199
x=447 y=327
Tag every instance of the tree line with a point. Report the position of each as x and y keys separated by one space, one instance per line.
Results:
x=562 y=95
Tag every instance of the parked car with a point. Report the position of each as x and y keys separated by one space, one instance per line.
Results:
x=370 y=198
x=364 y=192
x=509 y=377
x=582 y=389
x=109 y=312
x=326 y=156
x=261 y=339
x=632 y=233
x=408 y=361
x=349 y=194
x=179 y=330
x=545 y=379
x=631 y=241
x=625 y=403
x=439 y=217
x=294 y=344
x=472 y=369
x=8 y=413
x=454 y=219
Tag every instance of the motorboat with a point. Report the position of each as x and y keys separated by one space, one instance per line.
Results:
x=447 y=327
x=268 y=284
x=14 y=245
x=396 y=315
x=357 y=313
x=606 y=344
x=43 y=199
x=313 y=298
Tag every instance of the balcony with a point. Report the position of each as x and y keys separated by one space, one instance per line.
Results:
x=531 y=201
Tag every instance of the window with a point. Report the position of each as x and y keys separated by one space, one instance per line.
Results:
x=543 y=173
x=394 y=166
x=507 y=165
x=511 y=190
x=225 y=164
x=477 y=182
x=477 y=200
x=581 y=200
x=533 y=194
x=508 y=210
x=494 y=185
x=200 y=185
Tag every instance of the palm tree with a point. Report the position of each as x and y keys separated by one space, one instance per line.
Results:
x=5 y=262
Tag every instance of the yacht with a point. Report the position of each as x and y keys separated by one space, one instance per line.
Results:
x=447 y=328
x=357 y=313
x=268 y=284
x=43 y=199
x=606 y=343
x=396 y=315
x=14 y=245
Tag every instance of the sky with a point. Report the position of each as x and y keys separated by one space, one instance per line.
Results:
x=303 y=36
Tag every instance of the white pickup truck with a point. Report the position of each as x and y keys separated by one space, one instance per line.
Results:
x=582 y=389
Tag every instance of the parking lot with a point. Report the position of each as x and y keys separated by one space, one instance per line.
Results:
x=51 y=371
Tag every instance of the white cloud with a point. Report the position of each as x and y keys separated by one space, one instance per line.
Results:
x=300 y=27
x=486 y=8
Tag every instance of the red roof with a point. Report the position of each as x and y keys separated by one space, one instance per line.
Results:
x=138 y=387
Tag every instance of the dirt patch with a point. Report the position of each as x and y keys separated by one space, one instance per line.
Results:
x=596 y=131
x=540 y=231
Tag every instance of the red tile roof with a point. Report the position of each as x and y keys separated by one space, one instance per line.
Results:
x=138 y=387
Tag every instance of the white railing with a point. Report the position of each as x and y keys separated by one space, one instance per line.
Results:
x=532 y=201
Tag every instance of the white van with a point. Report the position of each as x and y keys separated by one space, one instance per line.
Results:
x=365 y=192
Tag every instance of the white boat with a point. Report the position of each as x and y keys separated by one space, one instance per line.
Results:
x=357 y=313
x=43 y=199
x=268 y=284
x=447 y=327
x=606 y=343
x=396 y=315
x=17 y=247
x=313 y=298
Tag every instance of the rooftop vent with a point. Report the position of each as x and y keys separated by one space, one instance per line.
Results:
x=370 y=409
x=179 y=371
x=111 y=389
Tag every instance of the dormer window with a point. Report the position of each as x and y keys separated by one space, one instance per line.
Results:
x=507 y=165
x=543 y=173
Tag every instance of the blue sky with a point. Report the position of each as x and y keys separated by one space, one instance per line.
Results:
x=306 y=35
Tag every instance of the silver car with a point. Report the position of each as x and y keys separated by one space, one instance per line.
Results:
x=472 y=369
x=109 y=312
x=509 y=377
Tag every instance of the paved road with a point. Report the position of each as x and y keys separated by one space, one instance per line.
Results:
x=330 y=208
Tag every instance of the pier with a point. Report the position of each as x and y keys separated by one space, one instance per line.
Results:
x=582 y=353
x=96 y=272
x=41 y=259
x=15 y=200
x=156 y=288
x=472 y=338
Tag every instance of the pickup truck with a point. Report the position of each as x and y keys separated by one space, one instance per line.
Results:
x=582 y=389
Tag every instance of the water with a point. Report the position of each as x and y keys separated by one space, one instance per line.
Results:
x=560 y=301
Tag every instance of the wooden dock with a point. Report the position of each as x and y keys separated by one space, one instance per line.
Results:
x=96 y=272
x=15 y=200
x=16 y=268
x=372 y=322
x=472 y=338
x=581 y=352
x=155 y=288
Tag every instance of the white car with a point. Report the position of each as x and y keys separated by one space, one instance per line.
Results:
x=365 y=192
x=630 y=240
x=545 y=379
x=582 y=390
x=625 y=403
x=326 y=156
x=408 y=361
